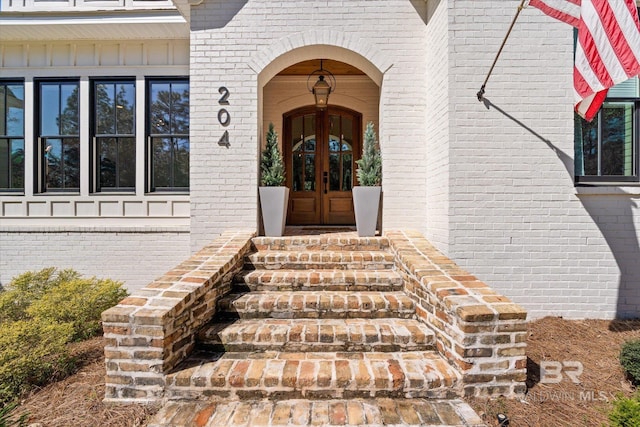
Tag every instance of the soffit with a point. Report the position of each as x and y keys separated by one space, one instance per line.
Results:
x=94 y=26
x=305 y=68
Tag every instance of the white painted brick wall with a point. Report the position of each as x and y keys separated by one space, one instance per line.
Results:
x=437 y=119
x=135 y=257
x=226 y=37
x=516 y=221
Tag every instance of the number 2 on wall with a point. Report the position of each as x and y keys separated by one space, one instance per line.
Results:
x=224 y=118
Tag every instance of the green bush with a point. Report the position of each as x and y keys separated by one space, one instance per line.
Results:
x=29 y=287
x=626 y=411
x=78 y=302
x=31 y=353
x=630 y=360
x=40 y=313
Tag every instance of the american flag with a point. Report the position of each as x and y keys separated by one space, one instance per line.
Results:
x=608 y=48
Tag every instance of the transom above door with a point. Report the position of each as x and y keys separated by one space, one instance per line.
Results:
x=320 y=149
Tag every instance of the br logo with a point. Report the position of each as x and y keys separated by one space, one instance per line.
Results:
x=551 y=371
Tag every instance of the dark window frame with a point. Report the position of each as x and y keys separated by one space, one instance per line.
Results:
x=94 y=175
x=612 y=179
x=10 y=138
x=149 y=136
x=40 y=138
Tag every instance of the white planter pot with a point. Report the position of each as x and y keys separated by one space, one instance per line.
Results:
x=366 y=201
x=273 y=201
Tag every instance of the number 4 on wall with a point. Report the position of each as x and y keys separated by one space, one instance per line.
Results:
x=224 y=139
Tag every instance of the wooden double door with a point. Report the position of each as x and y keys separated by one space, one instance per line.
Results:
x=321 y=147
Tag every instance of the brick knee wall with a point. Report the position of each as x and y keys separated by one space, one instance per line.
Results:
x=150 y=332
x=479 y=331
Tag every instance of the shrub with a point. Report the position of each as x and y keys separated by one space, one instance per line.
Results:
x=630 y=360
x=31 y=353
x=370 y=165
x=271 y=163
x=40 y=312
x=78 y=302
x=29 y=287
x=626 y=411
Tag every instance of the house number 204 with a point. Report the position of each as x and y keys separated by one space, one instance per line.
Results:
x=224 y=118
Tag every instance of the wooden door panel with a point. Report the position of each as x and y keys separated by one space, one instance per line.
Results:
x=319 y=145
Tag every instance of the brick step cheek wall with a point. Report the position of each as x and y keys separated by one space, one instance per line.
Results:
x=150 y=333
x=482 y=333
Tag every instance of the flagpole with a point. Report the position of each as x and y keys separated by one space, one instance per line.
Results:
x=481 y=91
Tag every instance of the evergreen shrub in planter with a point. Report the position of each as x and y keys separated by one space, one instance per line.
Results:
x=366 y=196
x=274 y=196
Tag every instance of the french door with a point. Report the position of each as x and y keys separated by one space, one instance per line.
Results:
x=320 y=149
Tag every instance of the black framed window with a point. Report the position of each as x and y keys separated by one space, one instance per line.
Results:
x=114 y=135
x=168 y=134
x=606 y=150
x=58 y=137
x=11 y=136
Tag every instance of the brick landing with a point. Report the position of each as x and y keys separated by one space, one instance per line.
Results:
x=287 y=413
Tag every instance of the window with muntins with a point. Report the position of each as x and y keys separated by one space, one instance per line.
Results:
x=11 y=136
x=114 y=135
x=606 y=150
x=168 y=135
x=58 y=136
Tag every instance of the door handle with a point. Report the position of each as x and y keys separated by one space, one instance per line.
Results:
x=325 y=180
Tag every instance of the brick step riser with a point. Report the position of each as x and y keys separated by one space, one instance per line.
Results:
x=240 y=287
x=333 y=393
x=316 y=314
x=320 y=244
x=318 y=265
x=323 y=280
x=216 y=347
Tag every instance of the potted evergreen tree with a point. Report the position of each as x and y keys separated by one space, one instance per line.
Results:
x=366 y=196
x=274 y=196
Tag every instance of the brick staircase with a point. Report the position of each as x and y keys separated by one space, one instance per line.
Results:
x=315 y=331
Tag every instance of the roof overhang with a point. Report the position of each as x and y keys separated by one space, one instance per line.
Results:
x=112 y=25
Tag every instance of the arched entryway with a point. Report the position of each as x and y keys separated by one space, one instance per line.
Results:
x=320 y=149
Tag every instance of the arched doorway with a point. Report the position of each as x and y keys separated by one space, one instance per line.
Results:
x=320 y=148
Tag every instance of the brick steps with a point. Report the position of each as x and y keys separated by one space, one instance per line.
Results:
x=321 y=280
x=285 y=413
x=326 y=305
x=321 y=243
x=314 y=260
x=283 y=375
x=296 y=335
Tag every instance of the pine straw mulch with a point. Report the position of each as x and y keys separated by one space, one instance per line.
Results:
x=594 y=343
x=77 y=400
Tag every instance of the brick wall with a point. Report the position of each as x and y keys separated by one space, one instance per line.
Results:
x=516 y=219
x=135 y=255
x=232 y=43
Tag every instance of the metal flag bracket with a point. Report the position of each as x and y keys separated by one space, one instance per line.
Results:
x=480 y=93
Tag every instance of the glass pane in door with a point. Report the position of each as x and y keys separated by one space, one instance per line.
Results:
x=303 y=140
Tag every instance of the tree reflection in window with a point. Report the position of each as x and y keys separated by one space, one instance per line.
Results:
x=605 y=146
x=340 y=153
x=11 y=136
x=59 y=146
x=115 y=135
x=168 y=124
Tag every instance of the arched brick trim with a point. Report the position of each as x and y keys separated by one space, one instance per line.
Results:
x=268 y=61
